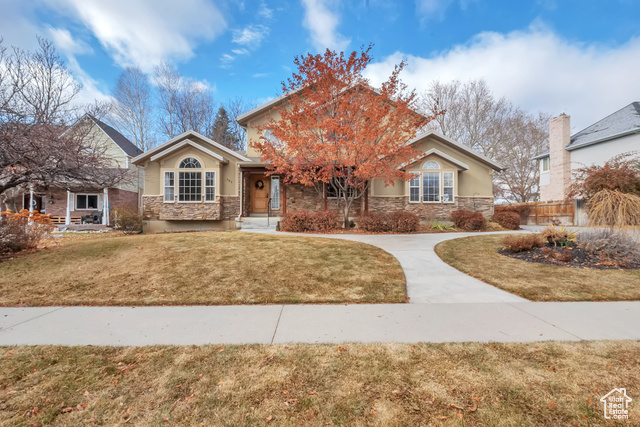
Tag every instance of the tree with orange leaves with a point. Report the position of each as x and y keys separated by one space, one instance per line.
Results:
x=337 y=131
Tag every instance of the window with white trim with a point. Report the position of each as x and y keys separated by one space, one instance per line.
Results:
x=275 y=192
x=210 y=186
x=431 y=165
x=169 y=186
x=431 y=186
x=414 y=188
x=190 y=186
x=86 y=202
x=545 y=164
x=447 y=186
x=190 y=163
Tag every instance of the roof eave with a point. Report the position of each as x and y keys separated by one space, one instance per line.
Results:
x=608 y=138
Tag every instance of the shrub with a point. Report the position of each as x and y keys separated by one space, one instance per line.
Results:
x=523 y=210
x=16 y=233
x=507 y=219
x=521 y=243
x=620 y=174
x=468 y=220
x=375 y=222
x=404 y=222
x=558 y=235
x=296 y=222
x=565 y=255
x=300 y=222
x=613 y=209
x=126 y=219
x=611 y=245
x=437 y=225
x=324 y=220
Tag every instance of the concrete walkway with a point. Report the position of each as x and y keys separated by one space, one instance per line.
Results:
x=407 y=323
x=429 y=279
x=449 y=306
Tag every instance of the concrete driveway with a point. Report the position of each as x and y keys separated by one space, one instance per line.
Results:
x=429 y=279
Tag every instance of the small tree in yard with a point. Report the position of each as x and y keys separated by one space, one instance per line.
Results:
x=621 y=173
x=336 y=130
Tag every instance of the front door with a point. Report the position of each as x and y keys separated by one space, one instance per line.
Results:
x=260 y=187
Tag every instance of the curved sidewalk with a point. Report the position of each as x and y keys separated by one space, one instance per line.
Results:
x=429 y=279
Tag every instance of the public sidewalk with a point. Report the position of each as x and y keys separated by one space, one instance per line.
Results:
x=266 y=324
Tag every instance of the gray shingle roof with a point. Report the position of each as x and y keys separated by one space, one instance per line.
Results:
x=127 y=146
x=622 y=122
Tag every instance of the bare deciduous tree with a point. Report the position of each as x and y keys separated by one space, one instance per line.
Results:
x=235 y=108
x=184 y=104
x=133 y=107
x=37 y=146
x=493 y=127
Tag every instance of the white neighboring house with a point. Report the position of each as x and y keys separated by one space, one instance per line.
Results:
x=616 y=134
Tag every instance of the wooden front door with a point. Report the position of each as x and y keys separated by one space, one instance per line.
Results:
x=260 y=191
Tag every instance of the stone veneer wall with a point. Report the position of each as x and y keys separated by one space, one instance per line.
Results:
x=430 y=211
x=303 y=198
x=155 y=209
x=230 y=207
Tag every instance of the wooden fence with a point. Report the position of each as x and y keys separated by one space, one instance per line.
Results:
x=544 y=213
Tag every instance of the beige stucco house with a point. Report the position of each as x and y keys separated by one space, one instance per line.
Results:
x=192 y=182
x=70 y=203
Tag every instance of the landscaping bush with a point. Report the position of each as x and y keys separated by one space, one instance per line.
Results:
x=324 y=220
x=296 y=222
x=126 y=219
x=17 y=234
x=404 y=222
x=613 y=209
x=611 y=246
x=523 y=210
x=300 y=222
x=522 y=243
x=468 y=220
x=507 y=219
x=558 y=235
x=375 y=222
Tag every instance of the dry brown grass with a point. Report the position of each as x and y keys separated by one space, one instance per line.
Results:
x=478 y=257
x=549 y=384
x=206 y=268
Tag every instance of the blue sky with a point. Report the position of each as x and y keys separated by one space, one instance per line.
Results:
x=578 y=57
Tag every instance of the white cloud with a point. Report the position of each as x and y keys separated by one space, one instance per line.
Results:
x=264 y=11
x=143 y=33
x=427 y=9
x=322 y=23
x=240 y=51
x=250 y=36
x=64 y=41
x=536 y=69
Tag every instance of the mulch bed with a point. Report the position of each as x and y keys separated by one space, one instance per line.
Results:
x=580 y=258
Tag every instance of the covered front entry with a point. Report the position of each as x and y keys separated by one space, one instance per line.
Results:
x=260 y=191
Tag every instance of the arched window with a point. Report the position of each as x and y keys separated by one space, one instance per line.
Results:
x=268 y=135
x=189 y=183
x=431 y=165
x=190 y=163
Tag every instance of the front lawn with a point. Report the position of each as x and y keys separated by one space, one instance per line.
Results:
x=479 y=257
x=553 y=384
x=205 y=268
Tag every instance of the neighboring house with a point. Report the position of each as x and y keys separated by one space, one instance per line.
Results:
x=69 y=203
x=614 y=135
x=192 y=182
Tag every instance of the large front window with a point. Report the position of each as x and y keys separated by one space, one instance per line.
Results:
x=414 y=188
x=334 y=189
x=169 y=186
x=431 y=186
x=210 y=187
x=190 y=186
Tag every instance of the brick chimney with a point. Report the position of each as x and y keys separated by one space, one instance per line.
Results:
x=559 y=158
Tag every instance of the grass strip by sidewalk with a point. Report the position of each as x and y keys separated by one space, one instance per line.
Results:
x=386 y=385
x=204 y=268
x=478 y=256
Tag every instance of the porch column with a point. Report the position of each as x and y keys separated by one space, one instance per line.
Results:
x=31 y=199
x=67 y=218
x=105 y=207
